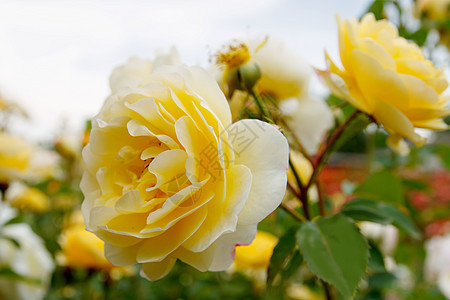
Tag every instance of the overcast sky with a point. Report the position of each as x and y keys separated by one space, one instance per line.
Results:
x=56 y=55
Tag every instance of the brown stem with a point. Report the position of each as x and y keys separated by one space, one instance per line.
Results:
x=327 y=290
x=293 y=212
x=294 y=190
x=303 y=196
x=333 y=138
x=318 y=159
x=322 y=211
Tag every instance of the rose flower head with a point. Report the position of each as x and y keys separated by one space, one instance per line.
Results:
x=266 y=64
x=168 y=176
x=389 y=78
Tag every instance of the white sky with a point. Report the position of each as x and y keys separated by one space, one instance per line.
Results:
x=56 y=55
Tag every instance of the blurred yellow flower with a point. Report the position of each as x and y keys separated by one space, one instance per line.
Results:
x=81 y=248
x=20 y=159
x=253 y=260
x=169 y=177
x=388 y=78
x=436 y=10
x=256 y=255
x=21 y=196
x=15 y=155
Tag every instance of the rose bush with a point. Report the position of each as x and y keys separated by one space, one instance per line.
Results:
x=168 y=176
x=389 y=78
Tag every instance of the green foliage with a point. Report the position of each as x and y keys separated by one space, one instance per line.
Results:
x=381 y=280
x=376 y=261
x=377 y=8
x=183 y=282
x=354 y=128
x=361 y=209
x=335 y=251
x=382 y=186
x=443 y=152
x=282 y=255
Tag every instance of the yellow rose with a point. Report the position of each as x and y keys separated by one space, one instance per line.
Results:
x=390 y=79
x=15 y=156
x=256 y=255
x=169 y=177
x=283 y=73
x=21 y=196
x=437 y=10
x=81 y=248
x=253 y=260
x=20 y=159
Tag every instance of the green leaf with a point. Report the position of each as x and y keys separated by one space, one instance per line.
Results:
x=381 y=280
x=361 y=209
x=400 y=219
x=419 y=36
x=354 y=127
x=377 y=8
x=365 y=210
x=376 y=260
x=382 y=186
x=411 y=184
x=281 y=254
x=293 y=265
x=335 y=251
x=443 y=151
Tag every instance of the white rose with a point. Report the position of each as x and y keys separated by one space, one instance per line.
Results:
x=437 y=262
x=309 y=119
x=31 y=260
